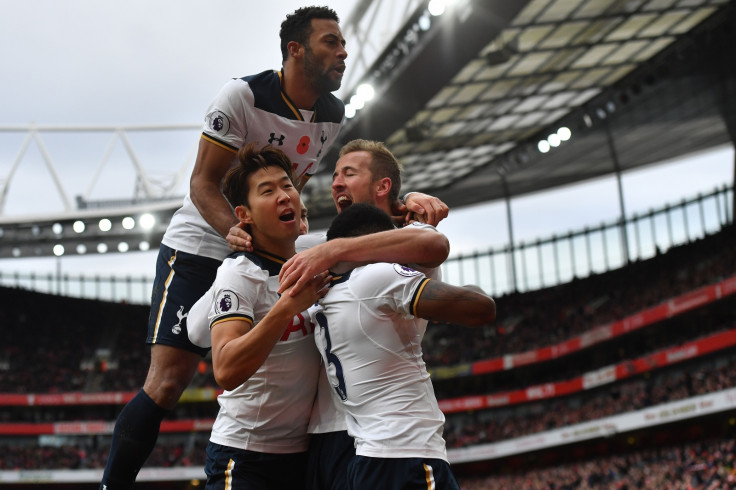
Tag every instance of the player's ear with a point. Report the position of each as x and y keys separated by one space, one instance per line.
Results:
x=382 y=187
x=294 y=48
x=243 y=214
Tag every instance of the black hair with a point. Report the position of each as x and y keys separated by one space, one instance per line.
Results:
x=359 y=219
x=298 y=26
x=235 y=185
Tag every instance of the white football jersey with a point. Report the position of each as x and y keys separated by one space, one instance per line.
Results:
x=370 y=342
x=269 y=412
x=328 y=414
x=255 y=109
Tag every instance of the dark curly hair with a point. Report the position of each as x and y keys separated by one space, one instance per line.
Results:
x=359 y=219
x=298 y=26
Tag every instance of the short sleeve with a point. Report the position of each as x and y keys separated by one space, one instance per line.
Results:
x=398 y=287
x=228 y=115
x=238 y=286
x=430 y=272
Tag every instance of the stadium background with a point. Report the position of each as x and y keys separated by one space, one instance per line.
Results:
x=612 y=360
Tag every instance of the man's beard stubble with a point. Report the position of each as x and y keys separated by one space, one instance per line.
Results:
x=319 y=81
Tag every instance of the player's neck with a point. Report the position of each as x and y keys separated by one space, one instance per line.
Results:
x=280 y=248
x=295 y=85
x=343 y=267
x=385 y=206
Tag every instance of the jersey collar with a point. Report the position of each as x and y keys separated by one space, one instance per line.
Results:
x=294 y=109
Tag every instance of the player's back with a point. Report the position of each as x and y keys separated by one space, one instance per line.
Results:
x=371 y=344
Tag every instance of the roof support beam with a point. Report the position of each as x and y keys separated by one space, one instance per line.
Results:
x=456 y=37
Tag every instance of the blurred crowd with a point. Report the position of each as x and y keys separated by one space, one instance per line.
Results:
x=708 y=465
x=707 y=376
x=93 y=346
x=58 y=344
x=92 y=453
x=534 y=319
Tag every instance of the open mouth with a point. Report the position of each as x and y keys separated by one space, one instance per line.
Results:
x=287 y=216
x=343 y=202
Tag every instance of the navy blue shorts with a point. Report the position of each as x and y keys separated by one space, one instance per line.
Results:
x=230 y=468
x=366 y=473
x=181 y=279
x=327 y=460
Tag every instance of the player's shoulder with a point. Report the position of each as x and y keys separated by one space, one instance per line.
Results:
x=423 y=226
x=266 y=77
x=330 y=109
x=240 y=262
x=264 y=83
x=384 y=271
x=251 y=263
x=262 y=260
x=303 y=242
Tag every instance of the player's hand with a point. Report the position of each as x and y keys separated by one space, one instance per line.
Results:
x=238 y=239
x=314 y=289
x=425 y=208
x=300 y=269
x=399 y=213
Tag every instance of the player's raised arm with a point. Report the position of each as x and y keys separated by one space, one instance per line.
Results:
x=212 y=164
x=412 y=244
x=439 y=301
x=239 y=348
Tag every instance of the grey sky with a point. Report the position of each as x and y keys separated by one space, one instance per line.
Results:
x=79 y=62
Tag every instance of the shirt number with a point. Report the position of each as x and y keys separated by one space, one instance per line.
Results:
x=332 y=358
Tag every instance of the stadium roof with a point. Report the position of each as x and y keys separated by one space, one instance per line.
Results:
x=465 y=103
x=464 y=99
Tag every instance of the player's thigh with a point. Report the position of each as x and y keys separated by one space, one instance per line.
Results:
x=230 y=468
x=327 y=460
x=181 y=279
x=170 y=372
x=366 y=473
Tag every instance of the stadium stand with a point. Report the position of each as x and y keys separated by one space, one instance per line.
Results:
x=62 y=386
x=624 y=379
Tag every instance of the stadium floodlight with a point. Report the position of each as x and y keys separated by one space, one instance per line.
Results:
x=366 y=91
x=81 y=249
x=350 y=111
x=424 y=22
x=564 y=133
x=543 y=146
x=57 y=228
x=357 y=102
x=105 y=224
x=78 y=226
x=553 y=140
x=436 y=7
x=58 y=249
x=147 y=221
x=128 y=223
x=16 y=252
x=123 y=247
x=101 y=248
x=144 y=246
